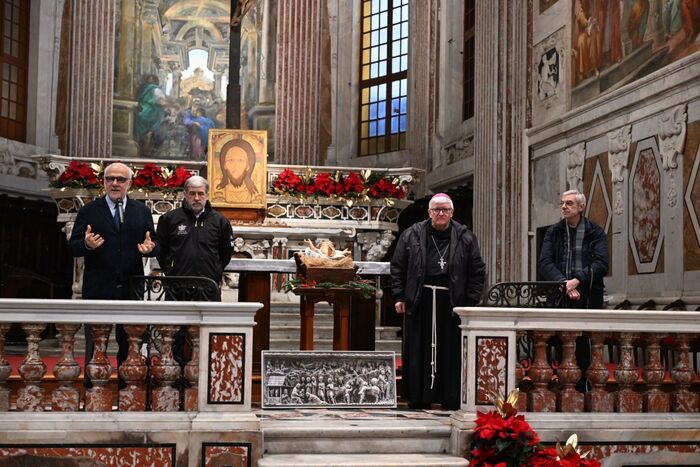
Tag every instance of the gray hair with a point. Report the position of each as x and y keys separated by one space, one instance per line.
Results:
x=580 y=197
x=129 y=172
x=196 y=181
x=440 y=198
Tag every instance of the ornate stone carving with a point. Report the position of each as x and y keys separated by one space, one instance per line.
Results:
x=454 y=151
x=541 y=398
x=99 y=398
x=575 y=157
x=618 y=149
x=192 y=371
x=672 y=130
x=377 y=250
x=684 y=400
x=628 y=400
x=133 y=371
x=165 y=397
x=655 y=399
x=569 y=373
x=599 y=400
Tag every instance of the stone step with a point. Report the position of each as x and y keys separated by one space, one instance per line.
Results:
x=291 y=333
x=391 y=345
x=375 y=436
x=293 y=344
x=289 y=320
x=386 y=332
x=362 y=460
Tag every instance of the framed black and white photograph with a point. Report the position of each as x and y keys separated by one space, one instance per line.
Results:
x=293 y=379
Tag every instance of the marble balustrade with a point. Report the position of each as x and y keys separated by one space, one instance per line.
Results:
x=653 y=369
x=218 y=374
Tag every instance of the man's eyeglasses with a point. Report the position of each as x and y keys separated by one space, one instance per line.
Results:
x=441 y=210
x=111 y=179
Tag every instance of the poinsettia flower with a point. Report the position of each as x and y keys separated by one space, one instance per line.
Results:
x=178 y=178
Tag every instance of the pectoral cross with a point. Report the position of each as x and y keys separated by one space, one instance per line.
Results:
x=442 y=264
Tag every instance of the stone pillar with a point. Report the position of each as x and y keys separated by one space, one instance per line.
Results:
x=500 y=166
x=541 y=399
x=628 y=400
x=133 y=371
x=5 y=370
x=570 y=400
x=30 y=398
x=91 y=79
x=298 y=98
x=165 y=397
x=99 y=397
x=192 y=371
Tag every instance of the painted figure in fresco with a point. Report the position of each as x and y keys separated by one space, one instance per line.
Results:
x=637 y=21
x=691 y=18
x=237 y=159
x=587 y=59
x=151 y=112
x=198 y=126
x=436 y=267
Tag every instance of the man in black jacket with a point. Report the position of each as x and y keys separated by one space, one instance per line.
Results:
x=195 y=240
x=575 y=251
x=113 y=233
x=436 y=266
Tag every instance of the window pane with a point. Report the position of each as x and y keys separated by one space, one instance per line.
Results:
x=382 y=68
x=382 y=91
x=375 y=6
x=383 y=19
x=381 y=127
x=373 y=111
x=373 y=94
x=381 y=110
x=372 y=129
x=373 y=71
x=382 y=36
x=375 y=21
x=365 y=112
x=404 y=63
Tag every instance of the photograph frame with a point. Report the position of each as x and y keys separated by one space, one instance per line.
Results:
x=328 y=379
x=231 y=184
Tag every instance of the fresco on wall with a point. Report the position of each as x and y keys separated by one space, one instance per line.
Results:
x=171 y=74
x=615 y=42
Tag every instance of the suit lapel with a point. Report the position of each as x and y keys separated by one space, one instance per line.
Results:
x=105 y=212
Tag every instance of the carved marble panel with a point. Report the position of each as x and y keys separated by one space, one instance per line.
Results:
x=491 y=359
x=646 y=229
x=225 y=381
x=465 y=360
x=692 y=195
x=599 y=209
x=549 y=81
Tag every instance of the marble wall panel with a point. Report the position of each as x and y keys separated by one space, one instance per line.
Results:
x=162 y=455
x=597 y=188
x=491 y=358
x=691 y=186
x=646 y=229
x=226 y=382
x=638 y=453
x=221 y=454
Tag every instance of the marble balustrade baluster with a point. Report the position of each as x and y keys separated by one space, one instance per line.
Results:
x=192 y=372
x=683 y=399
x=541 y=398
x=655 y=400
x=569 y=399
x=520 y=372
x=30 y=398
x=598 y=399
x=66 y=397
x=5 y=370
x=99 y=398
x=133 y=371
x=165 y=371
x=626 y=374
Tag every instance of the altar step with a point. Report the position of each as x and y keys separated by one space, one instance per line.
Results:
x=363 y=460
x=356 y=441
x=285 y=322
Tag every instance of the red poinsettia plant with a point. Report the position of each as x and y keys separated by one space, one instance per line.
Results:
x=178 y=177
x=351 y=187
x=150 y=175
x=502 y=438
x=78 y=175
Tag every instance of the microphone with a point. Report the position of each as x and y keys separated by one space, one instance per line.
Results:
x=121 y=211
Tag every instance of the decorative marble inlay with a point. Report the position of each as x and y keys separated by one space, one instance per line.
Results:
x=465 y=360
x=357 y=213
x=598 y=200
x=389 y=215
x=304 y=211
x=276 y=211
x=219 y=454
x=331 y=212
x=645 y=200
x=162 y=455
x=226 y=368
x=491 y=359
x=692 y=195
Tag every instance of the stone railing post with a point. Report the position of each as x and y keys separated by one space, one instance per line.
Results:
x=570 y=400
x=5 y=370
x=655 y=399
x=98 y=398
x=628 y=400
x=541 y=399
x=192 y=371
x=133 y=371
x=66 y=398
x=30 y=398
x=682 y=374
x=599 y=399
x=165 y=371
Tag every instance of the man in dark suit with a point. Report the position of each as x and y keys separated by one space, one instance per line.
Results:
x=113 y=234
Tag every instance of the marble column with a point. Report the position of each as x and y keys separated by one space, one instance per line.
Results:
x=91 y=78
x=298 y=77
x=500 y=168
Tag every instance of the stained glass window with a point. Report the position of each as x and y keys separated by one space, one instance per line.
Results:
x=383 y=69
